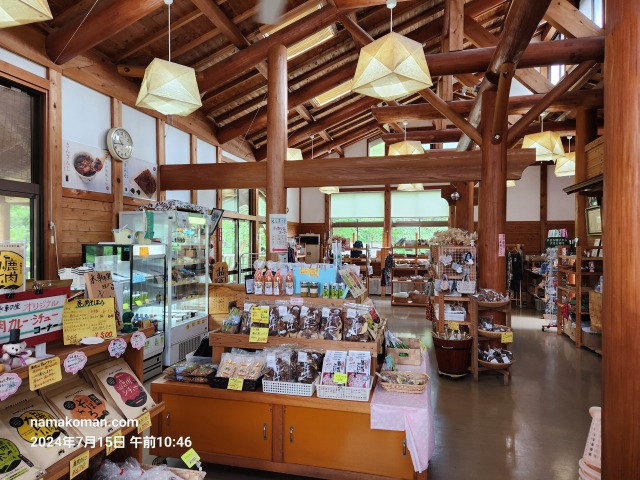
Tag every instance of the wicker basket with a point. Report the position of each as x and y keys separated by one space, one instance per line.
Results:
x=495 y=366
x=182 y=473
x=400 y=299
x=402 y=387
x=488 y=334
x=504 y=303
x=418 y=297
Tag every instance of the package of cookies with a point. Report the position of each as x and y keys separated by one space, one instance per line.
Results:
x=335 y=361
x=331 y=323
x=228 y=365
x=309 y=322
x=358 y=368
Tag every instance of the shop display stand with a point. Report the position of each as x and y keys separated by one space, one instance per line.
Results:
x=134 y=358
x=410 y=256
x=532 y=279
x=480 y=339
x=470 y=321
x=551 y=291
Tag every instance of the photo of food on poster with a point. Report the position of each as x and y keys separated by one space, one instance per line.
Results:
x=140 y=179
x=85 y=168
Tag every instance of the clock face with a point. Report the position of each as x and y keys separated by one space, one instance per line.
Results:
x=121 y=143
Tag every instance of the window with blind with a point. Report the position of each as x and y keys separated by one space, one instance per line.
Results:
x=358 y=216
x=417 y=214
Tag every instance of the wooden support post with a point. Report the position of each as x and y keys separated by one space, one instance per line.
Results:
x=386 y=237
x=621 y=229
x=492 y=212
x=543 y=206
x=586 y=131
x=116 y=167
x=276 y=135
x=498 y=128
x=160 y=149
x=193 y=159
x=53 y=173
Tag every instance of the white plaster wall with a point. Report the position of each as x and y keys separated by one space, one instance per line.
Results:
x=293 y=205
x=523 y=200
x=177 y=152
x=142 y=128
x=358 y=149
x=86 y=114
x=23 y=63
x=560 y=205
x=206 y=154
x=312 y=205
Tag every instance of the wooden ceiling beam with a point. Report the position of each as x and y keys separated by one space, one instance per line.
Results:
x=79 y=9
x=71 y=39
x=570 y=21
x=304 y=113
x=225 y=70
x=342 y=4
x=218 y=18
x=327 y=147
x=431 y=167
x=481 y=37
x=451 y=115
x=517 y=106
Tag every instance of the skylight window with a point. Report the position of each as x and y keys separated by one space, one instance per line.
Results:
x=333 y=94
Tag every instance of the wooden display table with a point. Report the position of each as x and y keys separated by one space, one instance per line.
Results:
x=308 y=436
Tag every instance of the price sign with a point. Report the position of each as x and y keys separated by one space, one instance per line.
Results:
x=44 y=373
x=260 y=315
x=235 y=384
x=79 y=464
x=75 y=362
x=506 y=337
x=144 y=422
x=117 y=347
x=340 y=378
x=114 y=441
x=258 y=335
x=93 y=317
x=454 y=326
x=144 y=251
x=190 y=458
x=9 y=384
x=138 y=340
x=312 y=272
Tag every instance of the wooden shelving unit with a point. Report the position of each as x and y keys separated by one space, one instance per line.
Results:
x=408 y=267
x=532 y=280
x=479 y=339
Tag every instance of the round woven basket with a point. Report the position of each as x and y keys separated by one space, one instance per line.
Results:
x=493 y=304
x=402 y=387
x=495 y=366
x=488 y=334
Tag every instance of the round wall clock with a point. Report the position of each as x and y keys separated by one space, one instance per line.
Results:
x=119 y=143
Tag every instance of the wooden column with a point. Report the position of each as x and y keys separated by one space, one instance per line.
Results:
x=386 y=236
x=53 y=173
x=586 y=131
x=492 y=212
x=116 y=167
x=160 y=149
x=193 y=159
x=276 y=135
x=621 y=230
x=543 y=206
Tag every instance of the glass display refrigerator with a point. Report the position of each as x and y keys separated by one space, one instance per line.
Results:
x=187 y=238
x=139 y=278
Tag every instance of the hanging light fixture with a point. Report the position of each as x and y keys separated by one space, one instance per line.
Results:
x=169 y=88
x=548 y=145
x=407 y=148
x=566 y=164
x=325 y=190
x=511 y=183
x=21 y=12
x=391 y=67
x=294 y=154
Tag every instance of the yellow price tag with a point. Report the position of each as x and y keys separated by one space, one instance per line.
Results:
x=116 y=440
x=144 y=422
x=144 y=251
x=340 y=378
x=506 y=337
x=312 y=272
x=260 y=315
x=258 y=335
x=44 y=373
x=190 y=458
x=235 y=384
x=79 y=464
x=454 y=326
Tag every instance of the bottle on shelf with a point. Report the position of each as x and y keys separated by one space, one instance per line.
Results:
x=277 y=283
x=289 y=282
x=258 y=282
x=268 y=283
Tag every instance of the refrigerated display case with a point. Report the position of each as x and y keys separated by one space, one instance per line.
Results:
x=187 y=312
x=139 y=277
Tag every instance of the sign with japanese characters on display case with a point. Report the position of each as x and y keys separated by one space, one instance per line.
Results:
x=34 y=314
x=12 y=267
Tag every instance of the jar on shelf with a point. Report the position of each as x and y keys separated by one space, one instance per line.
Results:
x=304 y=289
x=313 y=289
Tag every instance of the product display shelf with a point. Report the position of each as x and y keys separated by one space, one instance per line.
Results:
x=411 y=255
x=551 y=291
x=285 y=434
x=533 y=280
x=480 y=339
x=60 y=469
x=586 y=272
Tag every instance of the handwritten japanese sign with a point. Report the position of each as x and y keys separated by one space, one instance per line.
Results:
x=220 y=272
x=79 y=464
x=75 y=362
x=138 y=340
x=44 y=373
x=278 y=233
x=117 y=347
x=33 y=314
x=93 y=317
x=100 y=285
x=12 y=267
x=9 y=384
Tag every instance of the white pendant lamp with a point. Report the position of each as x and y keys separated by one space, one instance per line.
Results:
x=405 y=147
x=325 y=190
x=21 y=12
x=169 y=88
x=566 y=164
x=391 y=67
x=294 y=154
x=548 y=145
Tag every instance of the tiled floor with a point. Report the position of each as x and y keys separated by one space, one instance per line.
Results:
x=536 y=428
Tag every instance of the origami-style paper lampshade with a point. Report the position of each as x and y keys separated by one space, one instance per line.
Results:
x=407 y=147
x=329 y=190
x=391 y=67
x=294 y=154
x=566 y=165
x=169 y=88
x=548 y=145
x=21 y=12
x=511 y=183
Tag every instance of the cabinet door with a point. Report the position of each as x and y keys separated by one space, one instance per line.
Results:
x=217 y=426
x=344 y=441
